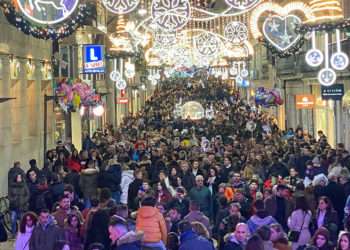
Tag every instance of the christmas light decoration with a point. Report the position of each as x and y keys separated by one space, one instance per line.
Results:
x=280 y=31
x=60 y=31
x=47 y=11
x=339 y=60
x=326 y=76
x=120 y=7
x=314 y=57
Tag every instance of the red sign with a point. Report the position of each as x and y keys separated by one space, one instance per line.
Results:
x=122 y=92
x=122 y=100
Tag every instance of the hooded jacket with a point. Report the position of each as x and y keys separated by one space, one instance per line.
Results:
x=19 y=196
x=151 y=222
x=129 y=241
x=259 y=220
x=231 y=243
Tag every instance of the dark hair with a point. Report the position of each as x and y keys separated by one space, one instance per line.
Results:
x=259 y=205
x=105 y=195
x=94 y=202
x=173 y=241
x=184 y=226
x=63 y=197
x=327 y=201
x=22 y=225
x=44 y=211
x=347 y=234
x=194 y=205
x=264 y=232
x=70 y=218
x=255 y=243
x=69 y=188
x=321 y=231
x=301 y=203
x=149 y=201
x=96 y=245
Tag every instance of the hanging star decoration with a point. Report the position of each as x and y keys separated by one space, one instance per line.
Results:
x=274 y=26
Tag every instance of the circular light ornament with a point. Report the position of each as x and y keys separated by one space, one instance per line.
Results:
x=171 y=15
x=244 y=73
x=120 y=7
x=129 y=70
x=114 y=76
x=339 y=61
x=236 y=32
x=47 y=12
x=314 y=57
x=192 y=110
x=327 y=77
x=239 y=80
x=120 y=84
x=98 y=110
x=242 y=4
x=207 y=44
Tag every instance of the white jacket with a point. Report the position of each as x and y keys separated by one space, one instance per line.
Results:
x=127 y=178
x=22 y=239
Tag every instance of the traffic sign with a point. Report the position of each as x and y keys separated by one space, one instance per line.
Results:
x=93 y=58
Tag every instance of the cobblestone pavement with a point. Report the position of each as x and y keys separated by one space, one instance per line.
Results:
x=7 y=245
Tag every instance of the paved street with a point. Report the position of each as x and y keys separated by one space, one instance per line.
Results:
x=7 y=245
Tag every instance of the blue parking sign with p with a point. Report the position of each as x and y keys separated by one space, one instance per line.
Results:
x=93 y=58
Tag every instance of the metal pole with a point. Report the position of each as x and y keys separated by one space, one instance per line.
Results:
x=45 y=126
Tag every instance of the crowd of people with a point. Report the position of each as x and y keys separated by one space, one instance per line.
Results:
x=233 y=181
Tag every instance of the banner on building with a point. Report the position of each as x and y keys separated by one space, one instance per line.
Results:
x=93 y=55
x=305 y=101
x=122 y=100
x=333 y=92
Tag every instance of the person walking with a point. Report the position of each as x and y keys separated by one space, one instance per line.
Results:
x=27 y=225
x=299 y=222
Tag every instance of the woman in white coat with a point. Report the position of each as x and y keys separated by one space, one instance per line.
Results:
x=299 y=221
x=28 y=222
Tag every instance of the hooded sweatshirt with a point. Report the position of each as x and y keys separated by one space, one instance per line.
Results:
x=150 y=221
x=258 y=220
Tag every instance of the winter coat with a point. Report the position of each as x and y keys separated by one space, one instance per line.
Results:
x=188 y=180
x=151 y=222
x=22 y=239
x=132 y=193
x=19 y=196
x=73 y=238
x=256 y=222
x=111 y=178
x=13 y=172
x=89 y=182
x=299 y=221
x=44 y=237
x=61 y=215
x=271 y=207
x=190 y=240
x=129 y=241
x=198 y=216
x=97 y=229
x=204 y=198
x=127 y=179
x=231 y=243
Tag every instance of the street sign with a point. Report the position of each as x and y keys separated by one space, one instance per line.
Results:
x=93 y=58
x=123 y=100
x=305 y=101
x=334 y=92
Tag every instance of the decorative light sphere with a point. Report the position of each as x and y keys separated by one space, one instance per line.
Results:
x=339 y=61
x=314 y=57
x=192 y=110
x=327 y=77
x=98 y=110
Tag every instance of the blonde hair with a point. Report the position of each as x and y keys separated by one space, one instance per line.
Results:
x=200 y=229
